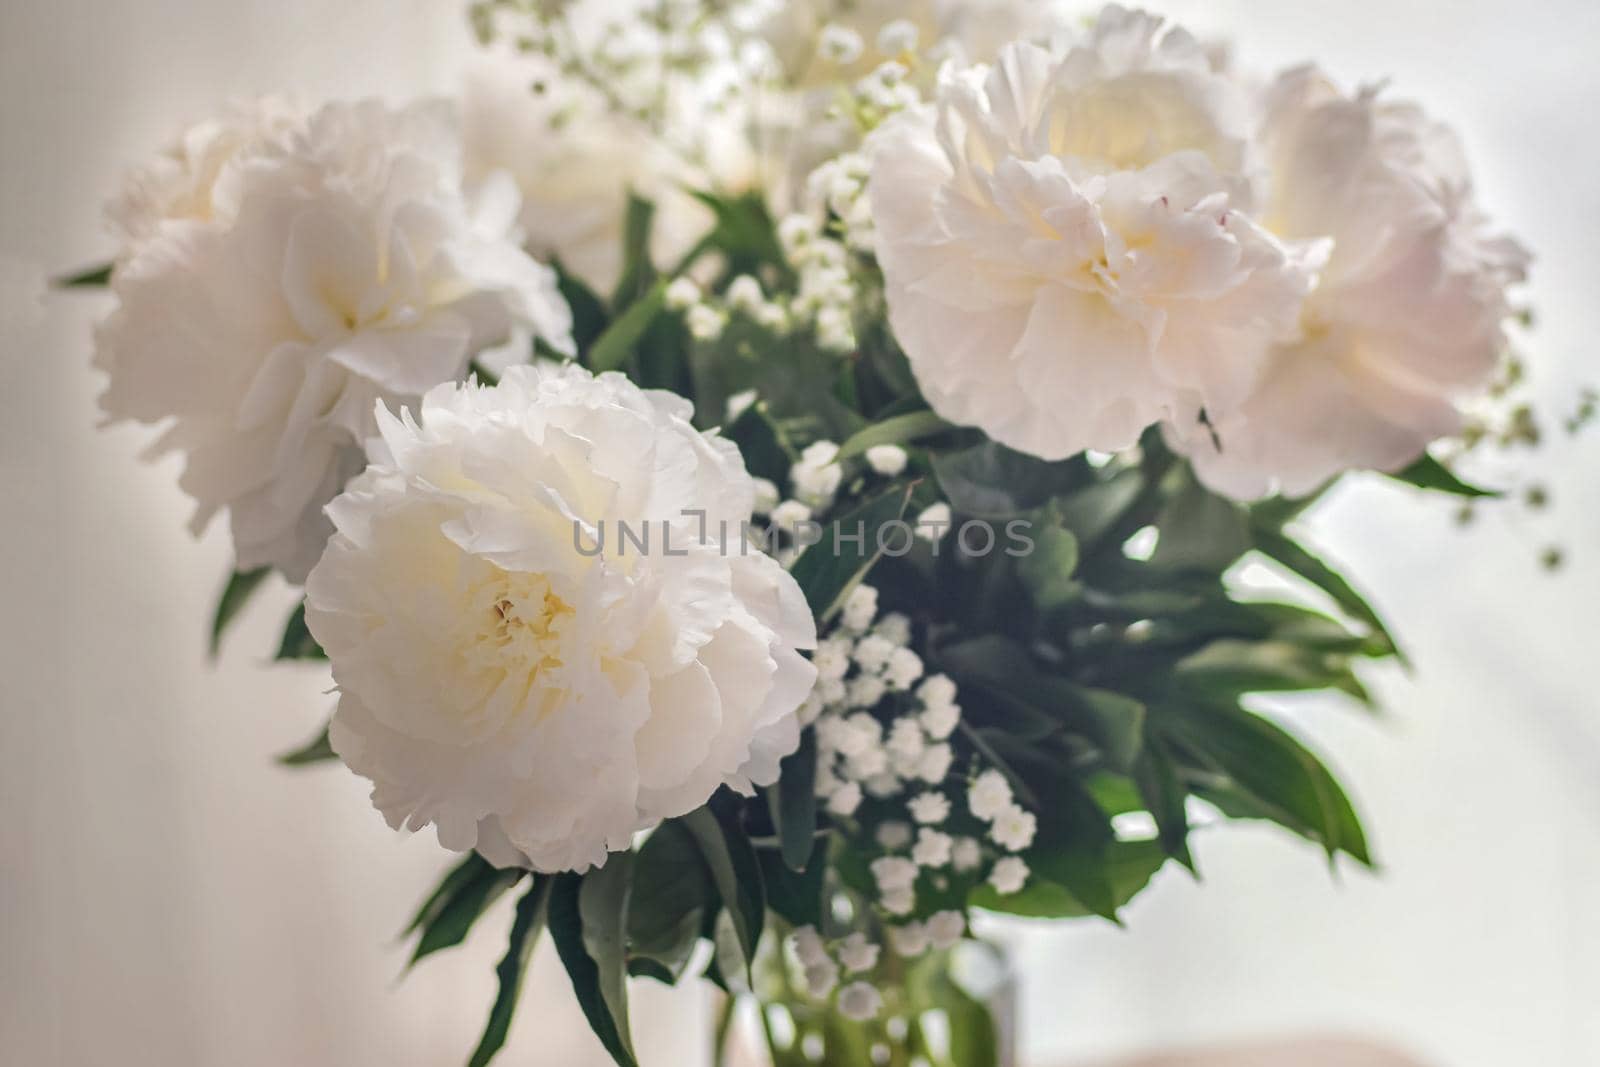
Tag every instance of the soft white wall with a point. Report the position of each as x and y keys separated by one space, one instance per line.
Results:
x=171 y=898
x=168 y=896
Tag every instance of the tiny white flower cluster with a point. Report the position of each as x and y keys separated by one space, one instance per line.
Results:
x=706 y=315
x=857 y=667
x=840 y=185
x=823 y=965
x=827 y=292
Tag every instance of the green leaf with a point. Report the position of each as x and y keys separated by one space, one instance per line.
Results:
x=999 y=665
x=568 y=929
x=603 y=904
x=829 y=569
x=470 y=867
x=1165 y=797
x=446 y=921
x=793 y=802
x=766 y=452
x=1269 y=775
x=241 y=584
x=1096 y=511
x=796 y=896
x=665 y=922
x=734 y=869
x=616 y=343
x=990 y=481
x=531 y=910
x=898 y=430
x=1230 y=668
x=317 y=750
x=1298 y=559
x=1429 y=473
x=89 y=278
x=637 y=270
x=1047 y=571
x=1200 y=530
x=297 y=641
x=589 y=316
x=1128 y=867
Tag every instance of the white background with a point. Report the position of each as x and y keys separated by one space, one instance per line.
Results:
x=169 y=897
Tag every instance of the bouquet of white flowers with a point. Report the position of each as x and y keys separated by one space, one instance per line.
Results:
x=769 y=483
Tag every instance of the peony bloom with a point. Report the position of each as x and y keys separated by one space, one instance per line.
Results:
x=514 y=672
x=1066 y=240
x=346 y=268
x=575 y=162
x=1407 y=317
x=181 y=183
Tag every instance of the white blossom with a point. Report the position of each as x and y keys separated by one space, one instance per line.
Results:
x=893 y=835
x=534 y=702
x=931 y=809
x=705 y=322
x=946 y=929
x=857 y=954
x=887 y=460
x=1407 y=317
x=989 y=795
x=901 y=901
x=1009 y=875
x=932 y=848
x=788 y=515
x=940 y=720
x=935 y=763
x=903 y=669
x=894 y=627
x=1067 y=245
x=860 y=1001
x=844 y=801
x=860 y=607
x=909 y=940
x=865 y=690
x=681 y=294
x=821 y=978
x=893 y=872
x=933 y=522
x=808 y=946
x=339 y=264
x=873 y=651
x=1013 y=828
x=966 y=854
x=766 y=496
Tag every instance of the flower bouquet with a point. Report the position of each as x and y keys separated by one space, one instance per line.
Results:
x=771 y=483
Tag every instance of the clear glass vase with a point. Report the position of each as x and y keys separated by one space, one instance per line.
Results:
x=955 y=1008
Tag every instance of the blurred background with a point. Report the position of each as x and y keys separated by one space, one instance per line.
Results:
x=169 y=896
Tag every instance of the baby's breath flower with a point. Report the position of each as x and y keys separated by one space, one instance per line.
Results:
x=930 y=808
x=966 y=854
x=932 y=848
x=887 y=460
x=839 y=44
x=1014 y=829
x=909 y=940
x=946 y=928
x=857 y=954
x=705 y=322
x=989 y=796
x=860 y=1001
x=681 y=295
x=1009 y=876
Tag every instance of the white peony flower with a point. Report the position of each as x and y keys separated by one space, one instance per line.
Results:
x=345 y=269
x=535 y=694
x=1065 y=241
x=1407 y=317
x=181 y=183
